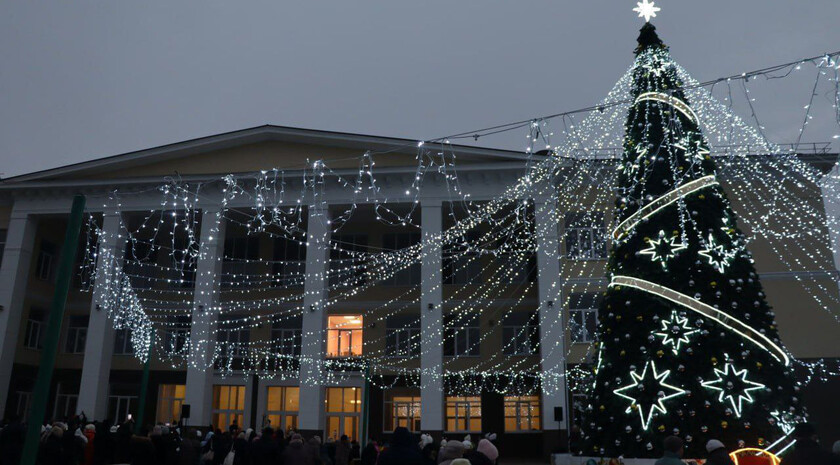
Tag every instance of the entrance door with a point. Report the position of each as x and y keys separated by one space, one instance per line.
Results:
x=343 y=415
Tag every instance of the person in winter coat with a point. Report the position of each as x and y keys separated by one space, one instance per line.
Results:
x=717 y=453
x=294 y=454
x=484 y=454
x=103 y=444
x=51 y=448
x=189 y=452
x=370 y=454
x=807 y=450
x=265 y=451
x=403 y=450
x=241 y=450
x=90 y=435
x=142 y=449
x=342 y=451
x=673 y=451
x=451 y=451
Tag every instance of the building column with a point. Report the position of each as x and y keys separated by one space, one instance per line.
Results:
x=552 y=333
x=431 y=320
x=313 y=337
x=830 y=190
x=14 y=275
x=99 y=346
x=205 y=316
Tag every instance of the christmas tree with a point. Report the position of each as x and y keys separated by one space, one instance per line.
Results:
x=687 y=344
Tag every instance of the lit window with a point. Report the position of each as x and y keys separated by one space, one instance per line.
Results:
x=228 y=406
x=77 y=326
x=522 y=413
x=402 y=411
x=344 y=405
x=170 y=400
x=583 y=316
x=344 y=336
x=585 y=236
x=283 y=404
x=463 y=414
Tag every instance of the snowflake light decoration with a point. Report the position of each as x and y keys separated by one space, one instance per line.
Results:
x=675 y=332
x=646 y=10
x=663 y=249
x=734 y=387
x=648 y=392
x=717 y=255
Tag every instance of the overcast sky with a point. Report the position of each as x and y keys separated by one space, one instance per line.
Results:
x=81 y=79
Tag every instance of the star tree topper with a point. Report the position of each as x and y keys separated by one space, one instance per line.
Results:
x=646 y=10
x=652 y=386
x=733 y=386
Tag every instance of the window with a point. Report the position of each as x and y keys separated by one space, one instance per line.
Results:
x=286 y=336
x=122 y=342
x=516 y=268
x=241 y=268
x=120 y=407
x=65 y=404
x=461 y=264
x=522 y=413
x=228 y=406
x=283 y=404
x=402 y=411
x=177 y=335
x=344 y=336
x=583 y=316
x=34 y=329
x=233 y=343
x=586 y=236
x=24 y=405
x=402 y=336
x=579 y=403
x=520 y=334
x=463 y=414
x=289 y=262
x=409 y=276
x=46 y=259
x=347 y=259
x=461 y=335
x=170 y=399
x=344 y=406
x=2 y=243
x=77 y=326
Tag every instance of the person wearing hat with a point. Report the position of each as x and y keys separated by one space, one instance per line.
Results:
x=807 y=450
x=717 y=453
x=673 y=451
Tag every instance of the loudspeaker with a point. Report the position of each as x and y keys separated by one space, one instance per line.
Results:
x=558 y=413
x=185 y=411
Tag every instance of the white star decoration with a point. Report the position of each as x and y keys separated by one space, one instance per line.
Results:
x=675 y=332
x=646 y=10
x=733 y=386
x=643 y=382
x=663 y=249
x=717 y=255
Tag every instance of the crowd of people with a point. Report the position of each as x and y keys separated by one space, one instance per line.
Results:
x=806 y=450
x=78 y=442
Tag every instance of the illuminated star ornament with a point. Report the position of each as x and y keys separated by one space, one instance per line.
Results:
x=675 y=332
x=733 y=386
x=646 y=10
x=648 y=392
x=717 y=255
x=663 y=249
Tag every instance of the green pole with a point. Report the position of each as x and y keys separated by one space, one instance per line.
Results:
x=144 y=386
x=366 y=406
x=41 y=391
